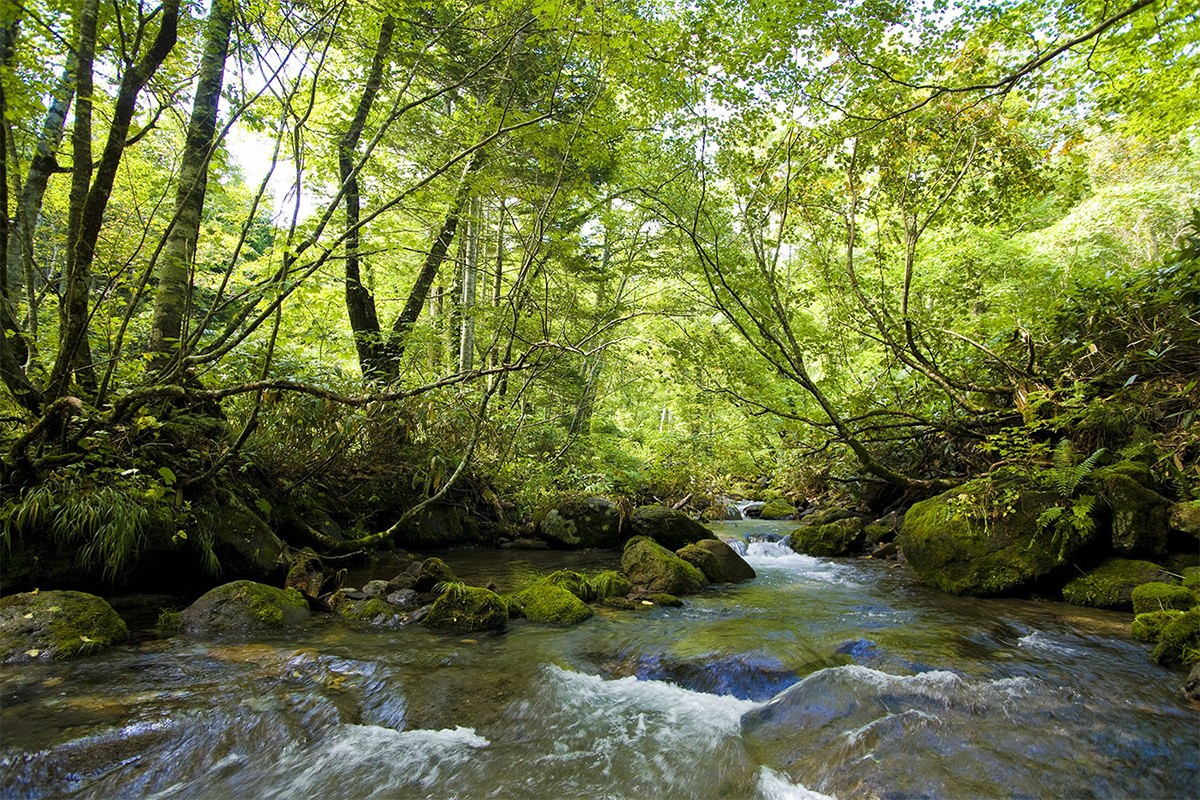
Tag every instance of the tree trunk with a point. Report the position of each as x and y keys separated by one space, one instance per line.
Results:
x=360 y=304
x=433 y=261
x=470 y=290
x=88 y=204
x=173 y=294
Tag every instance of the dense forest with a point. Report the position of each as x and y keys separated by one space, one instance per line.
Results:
x=400 y=274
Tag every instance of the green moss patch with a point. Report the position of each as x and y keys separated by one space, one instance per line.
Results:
x=653 y=568
x=467 y=609
x=56 y=625
x=1159 y=596
x=1111 y=584
x=244 y=607
x=551 y=605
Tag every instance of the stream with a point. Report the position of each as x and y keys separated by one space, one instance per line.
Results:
x=818 y=678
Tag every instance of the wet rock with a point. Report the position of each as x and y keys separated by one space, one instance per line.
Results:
x=1191 y=687
x=405 y=580
x=704 y=561
x=1179 y=642
x=887 y=550
x=841 y=537
x=431 y=572
x=56 y=625
x=1111 y=584
x=589 y=522
x=375 y=588
x=550 y=605
x=467 y=609
x=653 y=568
x=243 y=607
x=733 y=567
x=245 y=545
x=752 y=510
x=664 y=599
x=404 y=598
x=306 y=574
x=609 y=583
x=373 y=610
x=1139 y=514
x=1159 y=596
x=670 y=528
x=574 y=582
x=1185 y=518
x=983 y=538
x=777 y=509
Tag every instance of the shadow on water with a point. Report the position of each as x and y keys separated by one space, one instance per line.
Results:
x=819 y=677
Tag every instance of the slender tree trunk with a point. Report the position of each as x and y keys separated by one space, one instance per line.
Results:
x=172 y=297
x=29 y=208
x=433 y=261
x=88 y=204
x=360 y=304
x=470 y=290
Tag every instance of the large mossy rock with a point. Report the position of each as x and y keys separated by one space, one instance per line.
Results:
x=983 y=538
x=1111 y=584
x=56 y=625
x=549 y=605
x=777 y=509
x=576 y=524
x=653 y=568
x=1179 y=642
x=1139 y=514
x=467 y=609
x=841 y=537
x=670 y=528
x=244 y=544
x=704 y=561
x=574 y=582
x=1160 y=596
x=1185 y=518
x=242 y=608
x=733 y=567
x=432 y=572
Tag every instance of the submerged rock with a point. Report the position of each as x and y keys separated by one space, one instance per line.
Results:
x=243 y=607
x=590 y=522
x=733 y=567
x=549 y=604
x=56 y=625
x=466 y=609
x=373 y=610
x=670 y=528
x=1111 y=584
x=653 y=568
x=984 y=538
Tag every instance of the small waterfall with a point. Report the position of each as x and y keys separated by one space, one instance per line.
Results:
x=764 y=549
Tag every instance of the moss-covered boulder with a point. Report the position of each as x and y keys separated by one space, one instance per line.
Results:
x=1148 y=627
x=574 y=582
x=704 y=561
x=432 y=572
x=1185 y=518
x=587 y=522
x=1139 y=514
x=244 y=544
x=841 y=537
x=466 y=609
x=56 y=625
x=1191 y=578
x=777 y=509
x=1191 y=686
x=983 y=538
x=609 y=583
x=733 y=567
x=824 y=516
x=653 y=568
x=550 y=605
x=375 y=611
x=1160 y=596
x=242 y=608
x=670 y=528
x=1179 y=642
x=1111 y=584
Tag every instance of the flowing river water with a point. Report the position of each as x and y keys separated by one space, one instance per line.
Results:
x=818 y=678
